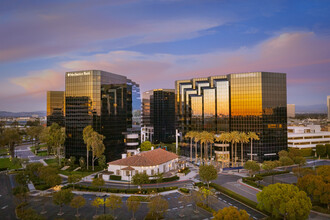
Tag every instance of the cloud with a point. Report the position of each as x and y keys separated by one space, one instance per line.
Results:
x=62 y=28
x=38 y=82
x=302 y=55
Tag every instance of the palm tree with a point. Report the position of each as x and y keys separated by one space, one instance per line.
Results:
x=234 y=139
x=197 y=138
x=209 y=140
x=190 y=135
x=252 y=136
x=87 y=132
x=243 y=139
x=203 y=141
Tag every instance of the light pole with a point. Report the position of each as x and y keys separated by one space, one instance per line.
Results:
x=105 y=195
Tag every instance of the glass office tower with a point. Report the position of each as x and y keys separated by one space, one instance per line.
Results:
x=158 y=113
x=237 y=102
x=104 y=100
x=55 y=108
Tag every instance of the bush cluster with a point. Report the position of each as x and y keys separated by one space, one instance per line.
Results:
x=127 y=191
x=169 y=179
x=115 y=177
x=184 y=190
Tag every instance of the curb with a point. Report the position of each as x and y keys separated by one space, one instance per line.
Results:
x=251 y=187
x=320 y=213
x=120 y=194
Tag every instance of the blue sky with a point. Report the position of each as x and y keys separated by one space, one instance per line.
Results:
x=157 y=42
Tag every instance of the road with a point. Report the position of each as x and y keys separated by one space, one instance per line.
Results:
x=7 y=202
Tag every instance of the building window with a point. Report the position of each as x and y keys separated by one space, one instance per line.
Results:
x=118 y=172
x=164 y=168
x=127 y=173
x=152 y=172
x=144 y=171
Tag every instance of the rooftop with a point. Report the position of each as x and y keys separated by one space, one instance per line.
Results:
x=148 y=158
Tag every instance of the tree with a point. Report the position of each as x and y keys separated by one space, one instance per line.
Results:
x=140 y=179
x=157 y=206
x=145 y=146
x=77 y=202
x=269 y=166
x=72 y=161
x=49 y=175
x=82 y=163
x=87 y=133
x=190 y=135
x=313 y=186
x=286 y=161
x=252 y=167
x=243 y=138
x=102 y=162
x=96 y=143
x=208 y=173
x=209 y=141
x=206 y=194
x=231 y=213
x=284 y=201
x=98 y=182
x=20 y=192
x=197 y=197
x=113 y=202
x=97 y=202
x=44 y=138
x=56 y=138
x=197 y=138
x=22 y=178
x=234 y=139
x=133 y=203
x=324 y=172
x=321 y=150
x=74 y=178
x=62 y=197
x=283 y=153
x=327 y=146
x=252 y=136
x=12 y=138
x=294 y=152
x=300 y=172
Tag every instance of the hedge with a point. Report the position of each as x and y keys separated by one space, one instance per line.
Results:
x=127 y=191
x=252 y=183
x=115 y=177
x=321 y=209
x=272 y=173
x=184 y=190
x=169 y=179
x=205 y=207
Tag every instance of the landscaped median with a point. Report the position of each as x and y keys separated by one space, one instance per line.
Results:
x=124 y=191
x=238 y=197
x=259 y=177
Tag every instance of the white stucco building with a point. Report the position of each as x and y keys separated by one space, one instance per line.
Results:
x=151 y=162
x=307 y=137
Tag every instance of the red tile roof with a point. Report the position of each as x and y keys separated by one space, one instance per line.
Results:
x=148 y=158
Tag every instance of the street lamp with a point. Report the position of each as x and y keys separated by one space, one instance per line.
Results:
x=104 y=196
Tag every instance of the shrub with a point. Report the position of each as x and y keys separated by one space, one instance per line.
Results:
x=184 y=190
x=115 y=177
x=169 y=179
x=321 y=150
x=327 y=146
x=306 y=152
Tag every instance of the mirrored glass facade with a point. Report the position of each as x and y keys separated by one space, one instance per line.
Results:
x=55 y=108
x=237 y=102
x=159 y=113
x=104 y=100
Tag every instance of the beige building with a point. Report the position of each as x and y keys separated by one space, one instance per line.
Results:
x=291 y=110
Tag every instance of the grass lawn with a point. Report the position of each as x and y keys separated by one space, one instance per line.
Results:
x=69 y=171
x=79 y=172
x=3 y=151
x=42 y=150
x=6 y=163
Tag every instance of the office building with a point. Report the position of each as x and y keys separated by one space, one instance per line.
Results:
x=158 y=115
x=106 y=101
x=307 y=136
x=242 y=102
x=55 y=108
x=291 y=110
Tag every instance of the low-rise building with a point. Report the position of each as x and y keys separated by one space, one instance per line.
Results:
x=307 y=137
x=150 y=162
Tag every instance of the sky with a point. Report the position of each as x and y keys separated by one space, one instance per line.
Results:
x=155 y=42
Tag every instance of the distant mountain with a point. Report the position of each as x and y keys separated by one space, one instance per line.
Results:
x=22 y=114
x=320 y=108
